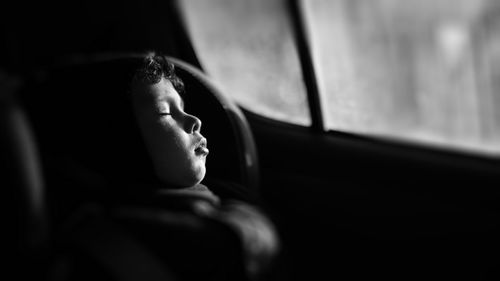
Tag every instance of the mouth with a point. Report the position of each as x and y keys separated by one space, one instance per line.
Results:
x=201 y=148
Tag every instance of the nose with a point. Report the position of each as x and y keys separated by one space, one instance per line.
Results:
x=192 y=123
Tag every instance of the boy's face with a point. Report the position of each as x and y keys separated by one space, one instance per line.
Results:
x=172 y=136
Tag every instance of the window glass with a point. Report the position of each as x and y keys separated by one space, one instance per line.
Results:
x=426 y=70
x=248 y=48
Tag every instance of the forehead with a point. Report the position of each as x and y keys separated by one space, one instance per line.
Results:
x=162 y=91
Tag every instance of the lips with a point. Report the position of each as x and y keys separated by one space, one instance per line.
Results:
x=201 y=148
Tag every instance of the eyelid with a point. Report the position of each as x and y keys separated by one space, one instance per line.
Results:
x=164 y=113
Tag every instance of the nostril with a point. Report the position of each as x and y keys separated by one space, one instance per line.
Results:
x=194 y=124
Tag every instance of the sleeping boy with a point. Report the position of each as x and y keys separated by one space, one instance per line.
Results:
x=203 y=234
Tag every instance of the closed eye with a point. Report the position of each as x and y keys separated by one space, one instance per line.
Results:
x=164 y=113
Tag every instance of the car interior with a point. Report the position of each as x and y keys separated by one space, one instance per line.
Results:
x=346 y=206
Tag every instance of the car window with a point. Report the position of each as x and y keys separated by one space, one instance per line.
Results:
x=248 y=48
x=425 y=71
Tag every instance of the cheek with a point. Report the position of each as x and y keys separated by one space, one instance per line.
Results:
x=161 y=140
x=171 y=142
x=169 y=145
x=167 y=135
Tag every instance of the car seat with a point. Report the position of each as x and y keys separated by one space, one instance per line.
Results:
x=80 y=154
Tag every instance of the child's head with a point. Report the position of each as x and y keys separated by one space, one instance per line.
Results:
x=172 y=136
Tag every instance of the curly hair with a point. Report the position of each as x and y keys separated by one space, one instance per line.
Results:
x=154 y=67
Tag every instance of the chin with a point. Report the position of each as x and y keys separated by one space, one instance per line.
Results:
x=199 y=177
x=181 y=175
x=192 y=181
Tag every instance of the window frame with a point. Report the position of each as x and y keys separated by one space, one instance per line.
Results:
x=307 y=65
